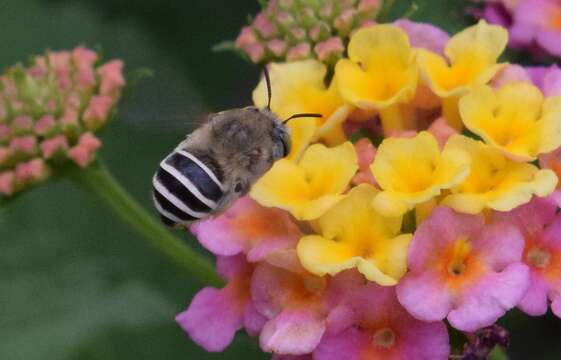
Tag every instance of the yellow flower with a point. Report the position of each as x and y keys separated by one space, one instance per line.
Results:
x=412 y=171
x=311 y=186
x=354 y=234
x=472 y=60
x=298 y=87
x=495 y=181
x=515 y=119
x=380 y=73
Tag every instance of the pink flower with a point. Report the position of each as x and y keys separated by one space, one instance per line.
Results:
x=372 y=325
x=215 y=315
x=426 y=36
x=509 y=74
x=249 y=228
x=495 y=13
x=296 y=306
x=464 y=270
x=547 y=78
x=541 y=228
x=537 y=22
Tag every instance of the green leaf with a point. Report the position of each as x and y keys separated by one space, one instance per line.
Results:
x=498 y=353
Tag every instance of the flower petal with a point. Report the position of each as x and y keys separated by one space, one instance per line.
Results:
x=491 y=298
x=491 y=40
x=294 y=332
x=213 y=318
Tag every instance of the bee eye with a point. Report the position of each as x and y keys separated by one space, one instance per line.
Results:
x=285 y=139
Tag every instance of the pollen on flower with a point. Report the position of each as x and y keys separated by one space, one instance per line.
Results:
x=384 y=338
x=538 y=257
x=48 y=112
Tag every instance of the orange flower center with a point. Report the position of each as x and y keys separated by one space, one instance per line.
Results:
x=460 y=253
x=384 y=338
x=554 y=22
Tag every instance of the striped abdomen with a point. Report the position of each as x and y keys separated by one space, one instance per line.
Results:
x=185 y=189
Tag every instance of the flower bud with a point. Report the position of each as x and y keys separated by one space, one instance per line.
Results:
x=299 y=52
x=330 y=50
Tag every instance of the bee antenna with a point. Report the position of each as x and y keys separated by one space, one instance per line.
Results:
x=302 y=115
x=268 y=82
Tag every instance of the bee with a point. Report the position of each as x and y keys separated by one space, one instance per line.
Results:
x=219 y=162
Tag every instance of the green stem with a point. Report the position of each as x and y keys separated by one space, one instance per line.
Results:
x=383 y=15
x=97 y=179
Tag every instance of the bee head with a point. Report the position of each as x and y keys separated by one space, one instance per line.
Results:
x=253 y=138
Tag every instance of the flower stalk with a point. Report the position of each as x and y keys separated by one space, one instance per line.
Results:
x=97 y=179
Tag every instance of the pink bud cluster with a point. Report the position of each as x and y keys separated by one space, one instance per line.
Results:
x=49 y=113
x=290 y=30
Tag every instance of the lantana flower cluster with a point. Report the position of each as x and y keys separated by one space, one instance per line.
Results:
x=441 y=210
x=302 y=29
x=534 y=25
x=50 y=112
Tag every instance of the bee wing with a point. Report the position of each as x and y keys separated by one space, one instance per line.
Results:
x=164 y=106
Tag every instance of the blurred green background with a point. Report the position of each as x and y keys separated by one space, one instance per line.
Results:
x=74 y=282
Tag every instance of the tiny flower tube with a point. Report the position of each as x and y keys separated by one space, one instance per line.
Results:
x=373 y=325
x=366 y=152
x=541 y=228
